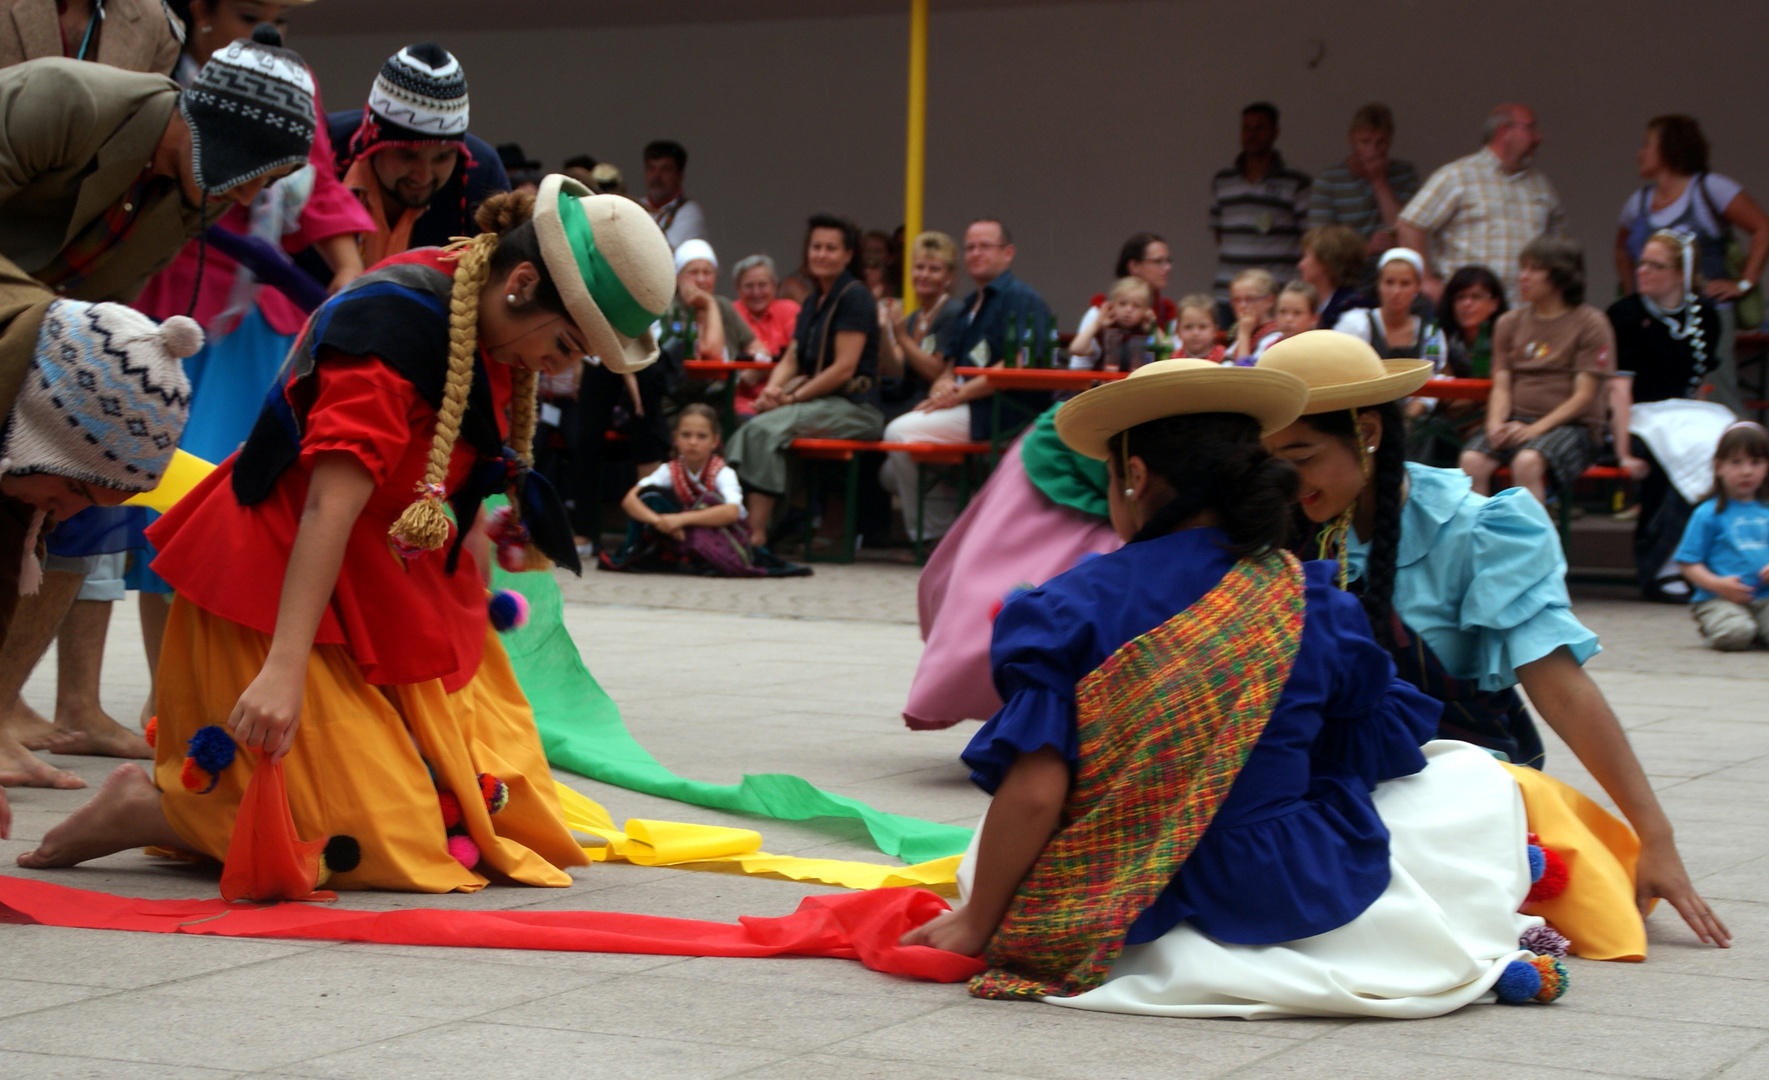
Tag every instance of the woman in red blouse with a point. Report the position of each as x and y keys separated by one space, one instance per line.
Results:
x=372 y=672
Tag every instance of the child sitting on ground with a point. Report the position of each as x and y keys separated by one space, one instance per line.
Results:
x=1197 y=330
x=1119 y=339
x=1725 y=549
x=1252 y=294
x=686 y=515
x=1297 y=304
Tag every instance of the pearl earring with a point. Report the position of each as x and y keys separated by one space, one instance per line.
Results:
x=510 y=299
x=1129 y=492
x=1371 y=449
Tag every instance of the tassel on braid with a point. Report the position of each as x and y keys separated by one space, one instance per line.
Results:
x=424 y=524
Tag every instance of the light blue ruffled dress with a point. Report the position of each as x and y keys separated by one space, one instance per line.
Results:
x=1481 y=582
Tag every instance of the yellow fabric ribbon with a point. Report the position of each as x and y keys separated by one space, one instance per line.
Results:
x=185 y=472
x=725 y=850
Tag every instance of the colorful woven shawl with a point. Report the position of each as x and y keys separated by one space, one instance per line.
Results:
x=1165 y=725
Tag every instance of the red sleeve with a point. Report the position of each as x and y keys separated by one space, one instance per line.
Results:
x=362 y=407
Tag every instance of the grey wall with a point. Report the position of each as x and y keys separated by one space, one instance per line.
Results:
x=1080 y=124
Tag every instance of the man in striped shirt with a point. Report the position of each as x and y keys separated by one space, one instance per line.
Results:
x=1367 y=190
x=1259 y=206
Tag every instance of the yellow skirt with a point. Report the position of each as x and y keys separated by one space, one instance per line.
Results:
x=362 y=762
x=1597 y=912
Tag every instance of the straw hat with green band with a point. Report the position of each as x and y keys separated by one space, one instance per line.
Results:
x=612 y=267
x=1178 y=388
x=1342 y=371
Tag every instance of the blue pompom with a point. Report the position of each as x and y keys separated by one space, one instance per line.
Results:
x=1520 y=983
x=212 y=748
x=508 y=610
x=1538 y=863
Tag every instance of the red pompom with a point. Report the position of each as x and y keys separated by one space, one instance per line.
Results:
x=451 y=808
x=1553 y=880
x=151 y=729
x=192 y=777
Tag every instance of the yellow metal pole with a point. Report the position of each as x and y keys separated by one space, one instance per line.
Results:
x=917 y=150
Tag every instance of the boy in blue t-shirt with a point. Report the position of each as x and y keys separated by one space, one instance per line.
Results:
x=1725 y=549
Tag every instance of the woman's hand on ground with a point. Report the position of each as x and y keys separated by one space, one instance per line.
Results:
x=1659 y=872
x=951 y=932
x=268 y=713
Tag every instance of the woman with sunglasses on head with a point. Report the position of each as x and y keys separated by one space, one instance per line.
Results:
x=1667 y=339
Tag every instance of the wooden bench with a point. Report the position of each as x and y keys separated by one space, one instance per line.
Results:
x=945 y=457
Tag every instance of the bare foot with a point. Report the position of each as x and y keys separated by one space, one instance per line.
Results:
x=27 y=725
x=95 y=734
x=124 y=814
x=21 y=768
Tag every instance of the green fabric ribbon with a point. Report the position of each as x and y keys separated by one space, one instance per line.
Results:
x=581 y=729
x=610 y=293
x=1065 y=477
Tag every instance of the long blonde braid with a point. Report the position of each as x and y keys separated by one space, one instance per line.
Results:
x=424 y=524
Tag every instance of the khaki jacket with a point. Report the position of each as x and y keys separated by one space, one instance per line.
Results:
x=135 y=35
x=73 y=137
x=23 y=301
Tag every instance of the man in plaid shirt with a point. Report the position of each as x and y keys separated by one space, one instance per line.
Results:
x=1483 y=209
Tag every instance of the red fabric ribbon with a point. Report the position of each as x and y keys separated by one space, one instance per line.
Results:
x=266 y=860
x=861 y=926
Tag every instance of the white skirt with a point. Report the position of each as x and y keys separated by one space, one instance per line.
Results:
x=1436 y=940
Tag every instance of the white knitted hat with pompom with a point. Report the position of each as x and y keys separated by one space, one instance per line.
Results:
x=105 y=399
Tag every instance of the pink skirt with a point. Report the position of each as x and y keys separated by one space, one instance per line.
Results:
x=1010 y=536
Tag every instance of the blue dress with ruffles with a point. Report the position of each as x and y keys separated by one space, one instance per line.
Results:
x=1297 y=848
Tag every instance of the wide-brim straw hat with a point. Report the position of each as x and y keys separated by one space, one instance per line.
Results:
x=1343 y=371
x=1178 y=388
x=612 y=267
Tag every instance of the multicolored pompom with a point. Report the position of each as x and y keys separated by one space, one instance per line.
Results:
x=508 y=610
x=464 y=850
x=211 y=751
x=1546 y=941
x=1540 y=979
x=495 y=792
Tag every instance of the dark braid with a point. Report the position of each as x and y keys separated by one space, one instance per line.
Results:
x=1214 y=462
x=1389 y=475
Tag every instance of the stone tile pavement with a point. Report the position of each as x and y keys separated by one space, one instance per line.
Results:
x=718 y=678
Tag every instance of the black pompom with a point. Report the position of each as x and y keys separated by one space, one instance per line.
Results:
x=266 y=34
x=431 y=54
x=342 y=854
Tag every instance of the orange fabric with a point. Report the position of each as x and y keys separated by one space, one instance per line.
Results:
x=266 y=860
x=383 y=241
x=1597 y=911
x=358 y=766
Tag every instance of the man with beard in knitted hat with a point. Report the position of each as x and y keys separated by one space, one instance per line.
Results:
x=105 y=174
x=408 y=155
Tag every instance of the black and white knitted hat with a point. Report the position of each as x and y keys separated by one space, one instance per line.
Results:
x=105 y=399
x=250 y=111
x=420 y=96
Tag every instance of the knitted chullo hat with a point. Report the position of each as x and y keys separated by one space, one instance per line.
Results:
x=105 y=399
x=250 y=111
x=419 y=98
